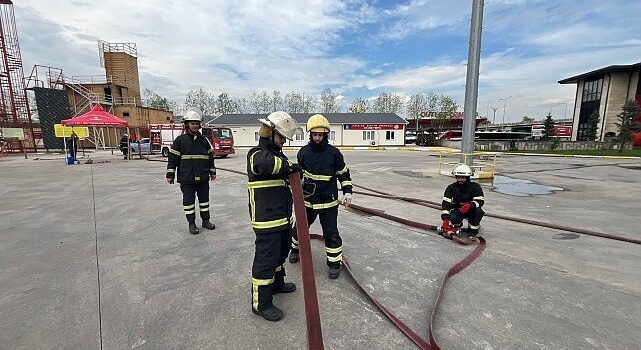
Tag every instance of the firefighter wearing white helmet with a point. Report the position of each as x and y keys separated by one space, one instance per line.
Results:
x=463 y=199
x=191 y=155
x=324 y=166
x=270 y=211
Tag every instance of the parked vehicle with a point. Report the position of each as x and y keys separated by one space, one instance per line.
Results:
x=163 y=135
x=141 y=146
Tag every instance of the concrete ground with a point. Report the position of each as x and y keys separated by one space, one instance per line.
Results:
x=98 y=257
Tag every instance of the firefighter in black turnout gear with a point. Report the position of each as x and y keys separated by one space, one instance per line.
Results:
x=323 y=165
x=270 y=211
x=463 y=199
x=191 y=154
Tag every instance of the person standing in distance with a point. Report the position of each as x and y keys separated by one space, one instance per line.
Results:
x=192 y=156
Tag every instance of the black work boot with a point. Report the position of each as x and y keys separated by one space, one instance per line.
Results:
x=293 y=256
x=271 y=314
x=334 y=271
x=193 y=229
x=208 y=225
x=472 y=232
x=280 y=286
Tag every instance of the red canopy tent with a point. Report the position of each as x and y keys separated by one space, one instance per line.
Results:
x=97 y=117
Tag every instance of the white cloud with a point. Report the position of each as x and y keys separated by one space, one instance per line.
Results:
x=228 y=45
x=290 y=45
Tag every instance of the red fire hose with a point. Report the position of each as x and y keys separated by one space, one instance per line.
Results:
x=435 y=205
x=312 y=314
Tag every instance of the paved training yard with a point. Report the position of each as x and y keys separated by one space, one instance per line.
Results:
x=101 y=253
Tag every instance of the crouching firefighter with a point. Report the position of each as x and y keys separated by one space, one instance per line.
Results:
x=270 y=210
x=463 y=199
x=323 y=165
x=191 y=154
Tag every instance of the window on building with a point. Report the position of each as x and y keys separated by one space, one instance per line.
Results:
x=255 y=135
x=390 y=135
x=592 y=90
x=332 y=135
x=368 y=135
x=299 y=136
x=590 y=102
x=107 y=94
x=125 y=114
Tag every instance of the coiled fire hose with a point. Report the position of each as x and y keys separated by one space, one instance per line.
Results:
x=312 y=315
x=314 y=326
x=435 y=205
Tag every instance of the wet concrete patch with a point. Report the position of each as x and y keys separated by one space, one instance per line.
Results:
x=632 y=167
x=416 y=174
x=520 y=187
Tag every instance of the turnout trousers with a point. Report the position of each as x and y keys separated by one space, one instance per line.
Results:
x=473 y=217
x=333 y=241
x=189 y=200
x=268 y=267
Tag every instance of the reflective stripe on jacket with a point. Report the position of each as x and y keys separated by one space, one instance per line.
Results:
x=324 y=165
x=270 y=199
x=193 y=158
x=456 y=195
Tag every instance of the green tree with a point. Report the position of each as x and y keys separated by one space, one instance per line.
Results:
x=548 y=128
x=359 y=105
x=627 y=123
x=225 y=105
x=201 y=100
x=415 y=106
x=527 y=119
x=388 y=103
x=593 y=125
x=153 y=100
x=329 y=101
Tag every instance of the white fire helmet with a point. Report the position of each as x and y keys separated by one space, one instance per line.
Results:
x=462 y=170
x=283 y=123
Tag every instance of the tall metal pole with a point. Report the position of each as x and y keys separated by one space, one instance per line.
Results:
x=472 y=83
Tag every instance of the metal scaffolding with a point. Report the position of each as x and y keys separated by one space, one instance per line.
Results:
x=14 y=104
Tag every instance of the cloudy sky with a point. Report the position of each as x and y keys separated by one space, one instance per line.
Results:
x=357 y=48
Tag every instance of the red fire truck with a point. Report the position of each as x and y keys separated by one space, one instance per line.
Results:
x=163 y=135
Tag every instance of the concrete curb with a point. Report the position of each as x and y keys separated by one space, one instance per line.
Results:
x=566 y=155
x=446 y=150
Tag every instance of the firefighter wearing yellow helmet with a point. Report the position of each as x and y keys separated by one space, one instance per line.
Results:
x=270 y=211
x=463 y=199
x=323 y=166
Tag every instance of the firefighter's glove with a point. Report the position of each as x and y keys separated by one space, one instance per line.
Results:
x=466 y=207
x=347 y=199
x=294 y=168
x=446 y=225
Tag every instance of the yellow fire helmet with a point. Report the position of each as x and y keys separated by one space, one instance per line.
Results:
x=317 y=123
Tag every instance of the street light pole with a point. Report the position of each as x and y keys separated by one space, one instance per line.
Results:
x=504 y=103
x=494 y=116
x=472 y=83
